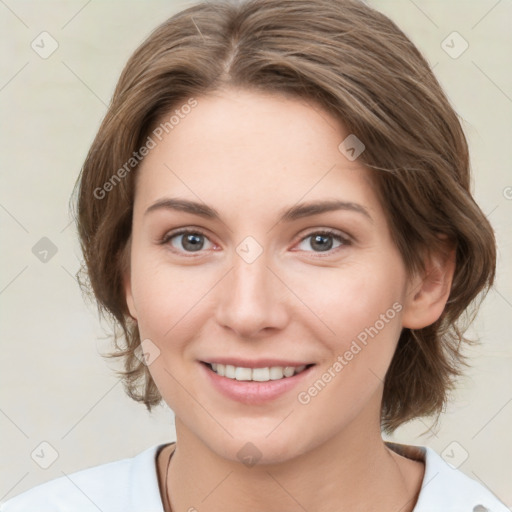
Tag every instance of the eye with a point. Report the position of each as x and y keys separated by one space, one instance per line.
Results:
x=186 y=240
x=322 y=241
x=190 y=241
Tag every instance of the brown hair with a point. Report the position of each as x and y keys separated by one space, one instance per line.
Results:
x=360 y=67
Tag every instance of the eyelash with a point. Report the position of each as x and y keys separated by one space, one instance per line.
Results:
x=323 y=232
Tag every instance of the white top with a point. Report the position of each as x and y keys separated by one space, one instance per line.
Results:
x=131 y=485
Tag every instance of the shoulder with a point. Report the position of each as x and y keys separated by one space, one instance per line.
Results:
x=447 y=488
x=124 y=485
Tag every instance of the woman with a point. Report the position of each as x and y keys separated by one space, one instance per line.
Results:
x=276 y=211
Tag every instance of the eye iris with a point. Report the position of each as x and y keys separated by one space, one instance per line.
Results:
x=192 y=241
x=321 y=239
x=195 y=241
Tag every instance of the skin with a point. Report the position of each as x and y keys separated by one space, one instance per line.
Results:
x=249 y=155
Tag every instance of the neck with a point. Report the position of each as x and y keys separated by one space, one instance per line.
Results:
x=353 y=470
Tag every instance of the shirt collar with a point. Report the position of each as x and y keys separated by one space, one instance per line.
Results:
x=445 y=488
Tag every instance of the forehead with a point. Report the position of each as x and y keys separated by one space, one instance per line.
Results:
x=249 y=151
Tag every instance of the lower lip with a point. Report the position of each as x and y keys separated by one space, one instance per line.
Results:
x=251 y=392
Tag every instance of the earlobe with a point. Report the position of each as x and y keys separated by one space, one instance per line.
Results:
x=428 y=293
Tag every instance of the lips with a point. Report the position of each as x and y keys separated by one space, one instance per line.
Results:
x=251 y=391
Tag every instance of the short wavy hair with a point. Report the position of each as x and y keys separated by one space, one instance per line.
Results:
x=357 y=64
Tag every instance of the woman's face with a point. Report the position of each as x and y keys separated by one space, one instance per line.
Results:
x=262 y=279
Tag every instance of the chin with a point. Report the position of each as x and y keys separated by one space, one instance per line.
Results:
x=257 y=448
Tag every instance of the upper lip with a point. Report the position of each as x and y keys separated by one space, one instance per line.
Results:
x=255 y=363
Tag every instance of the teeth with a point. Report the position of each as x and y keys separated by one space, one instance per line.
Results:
x=276 y=372
x=261 y=374
x=256 y=374
x=243 y=373
x=288 y=371
x=229 y=372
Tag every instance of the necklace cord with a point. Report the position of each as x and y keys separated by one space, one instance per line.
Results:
x=166 y=490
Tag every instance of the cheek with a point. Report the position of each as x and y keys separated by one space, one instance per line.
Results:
x=168 y=300
x=366 y=320
x=350 y=299
x=360 y=311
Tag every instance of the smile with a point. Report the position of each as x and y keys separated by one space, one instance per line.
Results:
x=256 y=374
x=255 y=382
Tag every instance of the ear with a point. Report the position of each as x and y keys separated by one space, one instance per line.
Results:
x=428 y=292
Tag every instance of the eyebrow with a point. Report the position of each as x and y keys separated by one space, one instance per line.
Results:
x=286 y=215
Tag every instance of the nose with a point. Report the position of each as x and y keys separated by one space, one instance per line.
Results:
x=251 y=299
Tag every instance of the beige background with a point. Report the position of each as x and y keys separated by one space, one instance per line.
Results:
x=56 y=388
